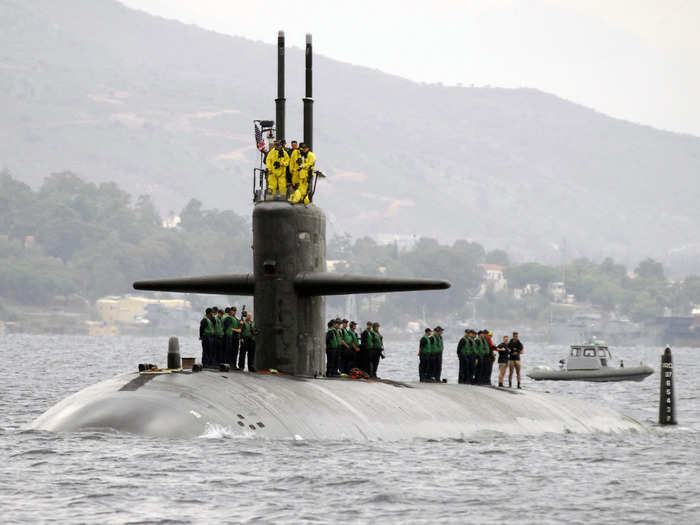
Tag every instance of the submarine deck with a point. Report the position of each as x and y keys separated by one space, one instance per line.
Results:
x=186 y=405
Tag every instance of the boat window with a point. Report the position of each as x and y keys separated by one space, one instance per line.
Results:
x=575 y=351
x=601 y=352
x=589 y=352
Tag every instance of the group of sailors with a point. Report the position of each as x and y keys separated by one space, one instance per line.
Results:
x=227 y=339
x=350 y=355
x=289 y=170
x=476 y=355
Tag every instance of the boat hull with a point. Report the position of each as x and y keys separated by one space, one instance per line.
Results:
x=636 y=373
x=185 y=405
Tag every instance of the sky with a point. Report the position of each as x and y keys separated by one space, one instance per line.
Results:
x=634 y=60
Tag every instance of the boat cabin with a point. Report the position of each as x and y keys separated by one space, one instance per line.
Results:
x=588 y=357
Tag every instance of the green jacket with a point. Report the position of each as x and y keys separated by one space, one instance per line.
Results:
x=209 y=330
x=472 y=347
x=463 y=345
x=426 y=349
x=248 y=330
x=437 y=348
x=371 y=339
x=482 y=347
x=226 y=331
x=218 y=327
x=377 y=341
x=334 y=341
x=351 y=339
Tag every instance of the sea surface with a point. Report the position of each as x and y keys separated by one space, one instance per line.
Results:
x=104 y=477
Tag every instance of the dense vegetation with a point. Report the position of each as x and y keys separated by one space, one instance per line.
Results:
x=71 y=237
x=606 y=286
x=92 y=241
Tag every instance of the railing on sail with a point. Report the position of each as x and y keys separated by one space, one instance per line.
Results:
x=260 y=190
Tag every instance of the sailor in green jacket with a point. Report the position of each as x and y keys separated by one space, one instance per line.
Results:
x=425 y=347
x=217 y=355
x=248 y=332
x=472 y=352
x=206 y=335
x=437 y=353
x=350 y=349
x=235 y=338
x=332 y=347
x=462 y=357
x=376 y=351
x=227 y=323
x=483 y=353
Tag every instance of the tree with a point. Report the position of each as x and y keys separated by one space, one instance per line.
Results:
x=523 y=274
x=497 y=257
x=191 y=216
x=651 y=270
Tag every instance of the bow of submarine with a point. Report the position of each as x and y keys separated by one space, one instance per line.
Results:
x=185 y=405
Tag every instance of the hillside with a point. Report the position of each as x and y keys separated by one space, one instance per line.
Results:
x=165 y=109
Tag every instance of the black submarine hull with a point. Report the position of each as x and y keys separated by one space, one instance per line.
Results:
x=189 y=405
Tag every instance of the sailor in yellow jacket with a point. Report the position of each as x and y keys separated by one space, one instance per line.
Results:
x=306 y=163
x=294 y=154
x=277 y=162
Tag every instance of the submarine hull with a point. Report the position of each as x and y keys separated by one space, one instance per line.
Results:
x=187 y=405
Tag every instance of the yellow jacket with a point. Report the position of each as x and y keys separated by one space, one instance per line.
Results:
x=307 y=166
x=273 y=157
x=293 y=166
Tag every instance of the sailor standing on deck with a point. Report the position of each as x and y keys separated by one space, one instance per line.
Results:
x=472 y=358
x=425 y=347
x=516 y=348
x=376 y=351
x=483 y=366
x=206 y=333
x=437 y=353
x=218 y=336
x=293 y=169
x=503 y=352
x=488 y=365
x=462 y=347
x=332 y=348
x=235 y=337
x=349 y=348
x=276 y=162
x=363 y=356
x=354 y=344
x=248 y=332
x=344 y=356
x=227 y=322
x=307 y=164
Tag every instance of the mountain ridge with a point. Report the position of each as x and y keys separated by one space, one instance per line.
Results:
x=165 y=108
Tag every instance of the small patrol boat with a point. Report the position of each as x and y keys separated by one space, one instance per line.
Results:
x=590 y=362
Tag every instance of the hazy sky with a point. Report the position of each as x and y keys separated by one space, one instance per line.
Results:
x=636 y=60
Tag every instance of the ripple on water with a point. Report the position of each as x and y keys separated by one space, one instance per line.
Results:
x=107 y=477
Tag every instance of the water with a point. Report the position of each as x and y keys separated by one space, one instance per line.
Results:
x=93 y=477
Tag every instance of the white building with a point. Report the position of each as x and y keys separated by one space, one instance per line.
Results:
x=494 y=277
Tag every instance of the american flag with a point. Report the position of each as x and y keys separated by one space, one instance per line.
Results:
x=259 y=141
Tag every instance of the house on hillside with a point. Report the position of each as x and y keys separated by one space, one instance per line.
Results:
x=494 y=278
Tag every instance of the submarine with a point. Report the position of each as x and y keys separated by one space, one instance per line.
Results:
x=289 y=283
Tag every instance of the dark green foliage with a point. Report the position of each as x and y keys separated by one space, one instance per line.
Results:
x=90 y=241
x=497 y=257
